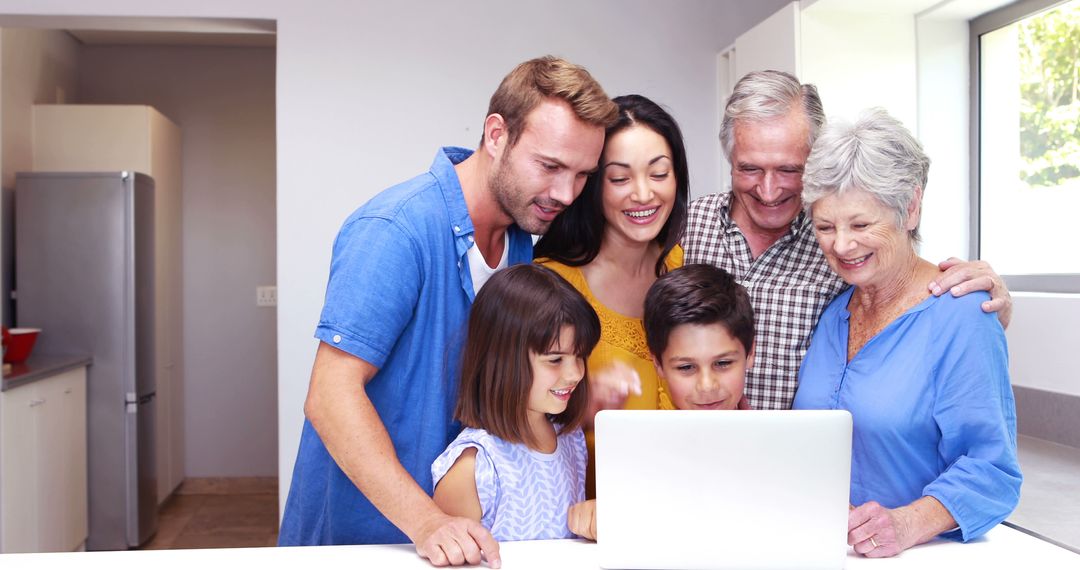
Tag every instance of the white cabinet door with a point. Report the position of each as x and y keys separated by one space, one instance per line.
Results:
x=43 y=486
x=51 y=464
x=772 y=44
x=76 y=500
x=19 y=480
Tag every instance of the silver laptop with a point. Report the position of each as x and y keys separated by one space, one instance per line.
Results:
x=722 y=489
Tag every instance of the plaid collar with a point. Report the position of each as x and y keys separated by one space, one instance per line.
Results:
x=800 y=224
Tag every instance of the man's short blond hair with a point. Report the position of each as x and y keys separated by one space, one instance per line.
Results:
x=550 y=77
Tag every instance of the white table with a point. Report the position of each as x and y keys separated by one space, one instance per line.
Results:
x=1002 y=547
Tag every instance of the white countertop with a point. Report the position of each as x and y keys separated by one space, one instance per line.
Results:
x=1002 y=547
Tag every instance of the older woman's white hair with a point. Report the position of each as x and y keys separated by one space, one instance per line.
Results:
x=875 y=154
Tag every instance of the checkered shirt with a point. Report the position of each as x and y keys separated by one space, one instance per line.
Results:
x=790 y=284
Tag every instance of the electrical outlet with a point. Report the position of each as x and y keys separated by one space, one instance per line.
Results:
x=266 y=296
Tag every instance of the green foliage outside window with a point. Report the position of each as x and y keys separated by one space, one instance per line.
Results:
x=1050 y=96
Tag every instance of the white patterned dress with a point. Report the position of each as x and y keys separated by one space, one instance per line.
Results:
x=524 y=494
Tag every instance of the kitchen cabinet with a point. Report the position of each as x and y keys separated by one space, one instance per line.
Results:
x=102 y=138
x=43 y=484
x=771 y=44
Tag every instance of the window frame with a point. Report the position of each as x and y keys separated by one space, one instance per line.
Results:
x=993 y=20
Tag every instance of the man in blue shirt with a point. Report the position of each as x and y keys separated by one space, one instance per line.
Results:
x=405 y=269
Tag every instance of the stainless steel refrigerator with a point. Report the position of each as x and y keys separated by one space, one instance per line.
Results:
x=84 y=274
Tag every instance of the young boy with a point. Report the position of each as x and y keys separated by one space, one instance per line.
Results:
x=699 y=326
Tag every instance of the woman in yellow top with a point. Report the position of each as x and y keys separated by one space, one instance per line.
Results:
x=619 y=236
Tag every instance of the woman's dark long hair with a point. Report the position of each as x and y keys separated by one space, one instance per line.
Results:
x=575 y=236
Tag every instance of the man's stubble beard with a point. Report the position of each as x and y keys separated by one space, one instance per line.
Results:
x=503 y=187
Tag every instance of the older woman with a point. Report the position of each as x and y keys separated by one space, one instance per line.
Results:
x=925 y=378
x=617 y=238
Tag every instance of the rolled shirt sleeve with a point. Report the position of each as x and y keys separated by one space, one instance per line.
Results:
x=975 y=411
x=374 y=285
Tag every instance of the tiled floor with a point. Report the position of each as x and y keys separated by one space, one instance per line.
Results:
x=217 y=518
x=1050 y=496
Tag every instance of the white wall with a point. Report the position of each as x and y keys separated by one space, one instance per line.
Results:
x=772 y=44
x=366 y=91
x=1043 y=340
x=223 y=101
x=943 y=126
x=36 y=66
x=860 y=60
x=860 y=56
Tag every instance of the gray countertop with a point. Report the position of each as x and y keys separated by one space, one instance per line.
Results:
x=41 y=366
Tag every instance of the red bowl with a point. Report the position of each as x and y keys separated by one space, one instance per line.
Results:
x=19 y=344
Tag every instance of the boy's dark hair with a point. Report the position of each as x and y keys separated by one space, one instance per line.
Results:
x=521 y=309
x=699 y=295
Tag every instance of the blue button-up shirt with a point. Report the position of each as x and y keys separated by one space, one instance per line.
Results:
x=398 y=297
x=932 y=406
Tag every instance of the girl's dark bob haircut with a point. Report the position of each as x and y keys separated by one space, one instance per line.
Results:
x=521 y=310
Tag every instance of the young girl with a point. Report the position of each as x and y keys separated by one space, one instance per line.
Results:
x=520 y=462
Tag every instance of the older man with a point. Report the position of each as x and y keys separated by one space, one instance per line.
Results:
x=759 y=232
x=405 y=269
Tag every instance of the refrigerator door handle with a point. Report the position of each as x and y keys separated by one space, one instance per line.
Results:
x=131 y=406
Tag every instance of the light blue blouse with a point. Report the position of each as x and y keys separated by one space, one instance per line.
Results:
x=524 y=494
x=932 y=406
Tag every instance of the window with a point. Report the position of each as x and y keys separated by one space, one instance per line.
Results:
x=1027 y=119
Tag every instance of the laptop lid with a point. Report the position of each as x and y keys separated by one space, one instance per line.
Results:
x=722 y=489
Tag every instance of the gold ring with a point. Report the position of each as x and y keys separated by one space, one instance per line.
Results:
x=873 y=542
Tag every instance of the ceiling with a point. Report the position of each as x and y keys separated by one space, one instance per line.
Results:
x=203 y=39
x=965 y=8
x=108 y=30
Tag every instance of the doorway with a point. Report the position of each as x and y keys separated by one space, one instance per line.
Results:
x=215 y=79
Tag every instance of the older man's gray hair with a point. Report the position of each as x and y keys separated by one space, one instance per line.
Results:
x=875 y=154
x=765 y=95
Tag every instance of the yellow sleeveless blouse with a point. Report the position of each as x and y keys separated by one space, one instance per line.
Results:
x=622 y=338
